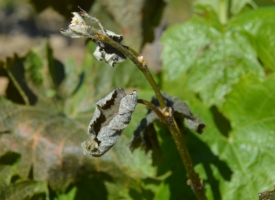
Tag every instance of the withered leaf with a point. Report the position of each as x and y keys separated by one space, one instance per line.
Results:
x=78 y=29
x=112 y=115
x=138 y=138
x=108 y=53
x=181 y=112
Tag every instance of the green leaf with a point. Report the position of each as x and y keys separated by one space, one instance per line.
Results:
x=56 y=68
x=8 y=168
x=260 y=25
x=163 y=192
x=235 y=6
x=72 y=78
x=237 y=164
x=18 y=90
x=34 y=71
x=238 y=5
x=24 y=190
x=264 y=2
x=250 y=109
x=48 y=135
x=213 y=56
x=67 y=196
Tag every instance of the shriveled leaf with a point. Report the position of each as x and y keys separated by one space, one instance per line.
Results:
x=112 y=115
x=213 y=56
x=181 y=112
x=108 y=53
x=139 y=135
x=95 y=80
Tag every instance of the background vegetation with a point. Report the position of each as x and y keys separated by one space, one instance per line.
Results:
x=220 y=61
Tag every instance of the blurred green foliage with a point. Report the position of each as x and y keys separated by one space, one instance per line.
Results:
x=224 y=71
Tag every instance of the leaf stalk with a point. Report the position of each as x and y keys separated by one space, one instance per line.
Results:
x=166 y=117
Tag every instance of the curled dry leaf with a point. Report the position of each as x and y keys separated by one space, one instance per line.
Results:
x=112 y=115
x=181 y=112
x=78 y=29
x=108 y=53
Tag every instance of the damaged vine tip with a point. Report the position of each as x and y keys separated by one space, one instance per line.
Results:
x=104 y=51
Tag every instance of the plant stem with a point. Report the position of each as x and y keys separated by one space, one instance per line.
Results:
x=152 y=107
x=135 y=59
x=195 y=181
x=166 y=117
x=223 y=11
x=17 y=86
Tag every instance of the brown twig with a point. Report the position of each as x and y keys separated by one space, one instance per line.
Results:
x=167 y=118
x=152 y=107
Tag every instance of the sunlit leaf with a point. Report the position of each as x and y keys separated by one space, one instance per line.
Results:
x=213 y=56
x=260 y=25
x=243 y=151
x=48 y=135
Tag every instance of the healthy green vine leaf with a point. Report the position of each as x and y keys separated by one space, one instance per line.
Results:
x=251 y=112
x=163 y=192
x=261 y=26
x=241 y=163
x=213 y=56
x=235 y=5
